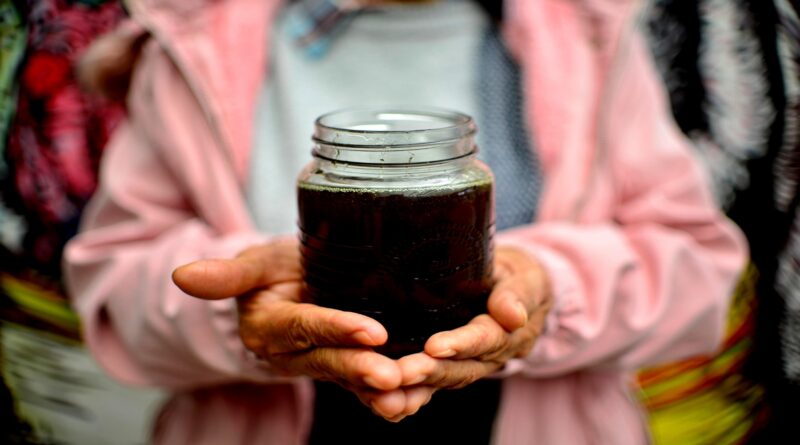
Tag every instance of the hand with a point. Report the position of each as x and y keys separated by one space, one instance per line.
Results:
x=516 y=311
x=297 y=338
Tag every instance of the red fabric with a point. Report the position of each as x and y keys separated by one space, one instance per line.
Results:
x=58 y=133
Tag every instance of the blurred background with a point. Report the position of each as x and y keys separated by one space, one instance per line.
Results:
x=51 y=139
x=732 y=70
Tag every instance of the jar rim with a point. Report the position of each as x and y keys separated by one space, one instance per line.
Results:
x=390 y=127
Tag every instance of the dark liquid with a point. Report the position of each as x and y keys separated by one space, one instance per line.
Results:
x=419 y=262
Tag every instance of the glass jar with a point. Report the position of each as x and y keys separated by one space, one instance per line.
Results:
x=396 y=219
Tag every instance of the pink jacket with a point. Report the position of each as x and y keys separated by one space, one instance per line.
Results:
x=641 y=260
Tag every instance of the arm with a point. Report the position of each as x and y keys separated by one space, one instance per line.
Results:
x=652 y=284
x=140 y=327
x=143 y=222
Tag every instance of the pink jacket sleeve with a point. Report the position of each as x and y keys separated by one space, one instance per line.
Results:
x=650 y=282
x=137 y=323
x=139 y=226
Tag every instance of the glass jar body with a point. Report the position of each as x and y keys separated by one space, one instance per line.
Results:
x=409 y=244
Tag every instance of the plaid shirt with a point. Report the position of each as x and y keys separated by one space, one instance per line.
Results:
x=315 y=25
x=317 y=22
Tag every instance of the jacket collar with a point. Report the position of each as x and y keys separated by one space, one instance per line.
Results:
x=209 y=40
x=215 y=45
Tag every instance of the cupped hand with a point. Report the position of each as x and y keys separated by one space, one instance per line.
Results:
x=298 y=338
x=453 y=359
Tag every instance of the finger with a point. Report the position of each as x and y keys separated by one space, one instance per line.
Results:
x=398 y=404
x=445 y=373
x=254 y=268
x=415 y=368
x=286 y=326
x=514 y=300
x=386 y=404
x=272 y=323
x=501 y=270
x=520 y=291
x=416 y=398
x=215 y=279
x=481 y=337
x=346 y=366
x=509 y=305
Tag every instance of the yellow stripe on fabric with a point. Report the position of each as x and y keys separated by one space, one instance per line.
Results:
x=740 y=312
x=39 y=302
x=721 y=365
x=707 y=418
x=744 y=298
x=705 y=400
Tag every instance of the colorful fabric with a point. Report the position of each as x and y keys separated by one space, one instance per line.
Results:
x=706 y=400
x=711 y=55
x=787 y=178
x=316 y=26
x=12 y=45
x=787 y=163
x=48 y=170
x=786 y=334
x=315 y=29
x=49 y=160
x=57 y=133
x=734 y=92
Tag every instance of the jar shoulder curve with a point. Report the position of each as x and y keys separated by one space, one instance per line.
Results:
x=451 y=175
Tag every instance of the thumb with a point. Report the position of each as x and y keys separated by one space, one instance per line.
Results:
x=519 y=293
x=257 y=267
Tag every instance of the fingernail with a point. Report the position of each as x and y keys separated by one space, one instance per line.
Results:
x=523 y=313
x=369 y=335
x=445 y=354
x=417 y=380
x=370 y=381
x=374 y=407
x=363 y=338
x=397 y=418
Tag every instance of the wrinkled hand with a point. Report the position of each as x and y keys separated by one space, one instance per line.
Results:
x=298 y=338
x=453 y=359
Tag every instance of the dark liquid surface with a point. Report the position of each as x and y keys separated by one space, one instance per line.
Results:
x=419 y=262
